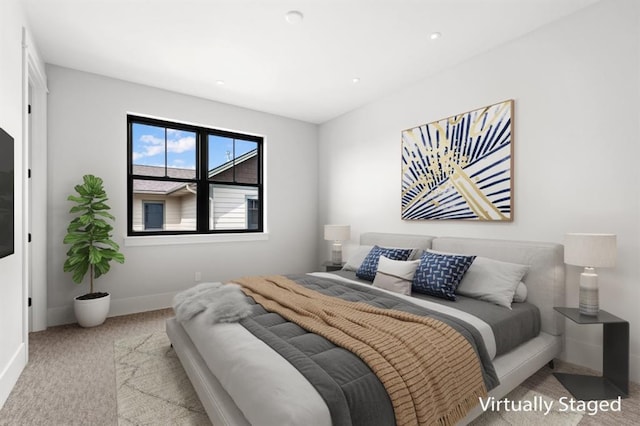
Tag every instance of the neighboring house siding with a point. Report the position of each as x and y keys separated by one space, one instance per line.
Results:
x=230 y=206
x=173 y=210
x=189 y=203
x=138 y=224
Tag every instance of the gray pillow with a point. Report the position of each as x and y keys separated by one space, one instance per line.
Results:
x=492 y=281
x=521 y=293
x=356 y=258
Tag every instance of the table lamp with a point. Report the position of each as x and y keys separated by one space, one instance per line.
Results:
x=590 y=251
x=337 y=233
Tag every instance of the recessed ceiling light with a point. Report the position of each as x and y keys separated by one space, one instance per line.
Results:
x=294 y=17
x=436 y=35
x=355 y=80
x=220 y=82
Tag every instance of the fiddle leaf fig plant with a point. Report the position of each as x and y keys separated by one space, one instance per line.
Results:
x=89 y=233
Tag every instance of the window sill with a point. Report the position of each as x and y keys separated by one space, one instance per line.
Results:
x=166 y=240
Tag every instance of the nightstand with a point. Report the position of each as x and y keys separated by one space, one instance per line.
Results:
x=615 y=359
x=330 y=266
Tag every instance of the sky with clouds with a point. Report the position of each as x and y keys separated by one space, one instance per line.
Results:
x=149 y=147
x=150 y=144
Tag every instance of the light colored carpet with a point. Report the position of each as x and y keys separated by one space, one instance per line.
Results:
x=152 y=387
x=70 y=377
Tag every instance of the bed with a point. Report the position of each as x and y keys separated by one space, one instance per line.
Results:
x=227 y=365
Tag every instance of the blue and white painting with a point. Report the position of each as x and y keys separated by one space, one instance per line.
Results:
x=460 y=167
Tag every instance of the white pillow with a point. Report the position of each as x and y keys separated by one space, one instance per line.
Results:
x=395 y=275
x=521 y=293
x=360 y=253
x=356 y=258
x=492 y=281
x=416 y=254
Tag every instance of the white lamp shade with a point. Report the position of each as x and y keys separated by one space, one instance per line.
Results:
x=337 y=232
x=590 y=250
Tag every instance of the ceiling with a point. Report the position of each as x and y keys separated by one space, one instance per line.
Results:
x=303 y=71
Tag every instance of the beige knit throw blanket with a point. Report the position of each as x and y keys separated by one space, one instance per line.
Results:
x=430 y=371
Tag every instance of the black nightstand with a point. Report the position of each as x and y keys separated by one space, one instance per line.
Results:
x=330 y=266
x=615 y=359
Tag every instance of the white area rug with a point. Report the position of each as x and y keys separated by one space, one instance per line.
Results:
x=152 y=387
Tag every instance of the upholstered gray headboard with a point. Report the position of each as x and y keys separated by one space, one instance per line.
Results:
x=545 y=278
x=396 y=240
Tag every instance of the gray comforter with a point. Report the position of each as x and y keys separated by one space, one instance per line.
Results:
x=511 y=327
x=350 y=389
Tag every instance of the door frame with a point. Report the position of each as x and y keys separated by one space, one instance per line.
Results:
x=34 y=208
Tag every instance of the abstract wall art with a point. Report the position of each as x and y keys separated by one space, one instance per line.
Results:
x=460 y=167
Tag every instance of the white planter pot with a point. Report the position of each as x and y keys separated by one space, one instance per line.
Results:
x=91 y=312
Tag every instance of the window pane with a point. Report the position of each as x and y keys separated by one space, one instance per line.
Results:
x=220 y=158
x=232 y=160
x=181 y=154
x=253 y=213
x=244 y=147
x=161 y=151
x=233 y=207
x=178 y=201
x=246 y=164
x=153 y=215
x=147 y=145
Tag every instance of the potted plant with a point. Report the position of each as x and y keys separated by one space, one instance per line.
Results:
x=92 y=248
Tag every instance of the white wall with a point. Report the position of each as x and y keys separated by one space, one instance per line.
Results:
x=88 y=134
x=13 y=349
x=575 y=84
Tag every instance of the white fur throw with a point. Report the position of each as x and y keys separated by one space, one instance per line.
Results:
x=219 y=303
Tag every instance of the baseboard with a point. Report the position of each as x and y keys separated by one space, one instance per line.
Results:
x=131 y=305
x=11 y=373
x=60 y=315
x=590 y=356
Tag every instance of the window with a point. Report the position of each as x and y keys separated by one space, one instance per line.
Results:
x=153 y=215
x=252 y=213
x=185 y=179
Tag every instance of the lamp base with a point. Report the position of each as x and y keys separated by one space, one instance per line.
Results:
x=336 y=253
x=589 y=293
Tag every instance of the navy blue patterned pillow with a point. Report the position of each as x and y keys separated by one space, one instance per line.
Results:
x=369 y=267
x=439 y=274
